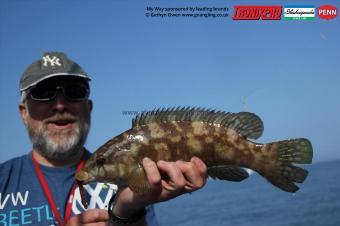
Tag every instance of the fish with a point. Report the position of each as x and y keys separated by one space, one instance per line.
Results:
x=224 y=141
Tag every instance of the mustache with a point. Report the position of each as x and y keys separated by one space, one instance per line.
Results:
x=66 y=116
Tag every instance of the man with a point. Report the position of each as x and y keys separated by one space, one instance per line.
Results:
x=38 y=188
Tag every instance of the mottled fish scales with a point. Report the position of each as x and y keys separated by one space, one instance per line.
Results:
x=220 y=139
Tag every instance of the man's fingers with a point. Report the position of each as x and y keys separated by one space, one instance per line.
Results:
x=89 y=217
x=176 y=179
x=194 y=174
x=189 y=172
x=94 y=215
x=96 y=224
x=152 y=173
x=201 y=166
x=170 y=179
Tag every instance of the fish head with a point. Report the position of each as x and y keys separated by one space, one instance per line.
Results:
x=99 y=168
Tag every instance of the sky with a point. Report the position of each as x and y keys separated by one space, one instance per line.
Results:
x=287 y=72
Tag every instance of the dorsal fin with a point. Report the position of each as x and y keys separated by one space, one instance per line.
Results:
x=246 y=124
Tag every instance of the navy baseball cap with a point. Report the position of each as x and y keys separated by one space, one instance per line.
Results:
x=52 y=64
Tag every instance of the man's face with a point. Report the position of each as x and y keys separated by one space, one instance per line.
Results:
x=58 y=127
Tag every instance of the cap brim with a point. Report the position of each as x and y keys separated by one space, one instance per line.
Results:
x=55 y=75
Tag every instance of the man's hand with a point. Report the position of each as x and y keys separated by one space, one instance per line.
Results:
x=167 y=180
x=92 y=217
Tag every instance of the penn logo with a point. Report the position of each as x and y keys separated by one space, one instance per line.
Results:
x=327 y=12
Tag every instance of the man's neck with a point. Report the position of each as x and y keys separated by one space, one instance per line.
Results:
x=57 y=163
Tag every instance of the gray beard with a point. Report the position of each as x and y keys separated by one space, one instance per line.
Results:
x=65 y=147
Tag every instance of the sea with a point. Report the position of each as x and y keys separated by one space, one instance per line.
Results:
x=256 y=202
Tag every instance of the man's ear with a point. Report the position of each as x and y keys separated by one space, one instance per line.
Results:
x=90 y=104
x=23 y=112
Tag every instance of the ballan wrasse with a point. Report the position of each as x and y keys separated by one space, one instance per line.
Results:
x=220 y=139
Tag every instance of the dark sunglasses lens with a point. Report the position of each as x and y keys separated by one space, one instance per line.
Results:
x=42 y=93
x=76 y=92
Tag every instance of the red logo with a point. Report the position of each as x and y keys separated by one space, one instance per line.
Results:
x=257 y=12
x=327 y=12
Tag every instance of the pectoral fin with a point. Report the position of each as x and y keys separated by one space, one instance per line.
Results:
x=230 y=173
x=138 y=181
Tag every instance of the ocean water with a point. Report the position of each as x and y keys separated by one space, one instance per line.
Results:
x=256 y=202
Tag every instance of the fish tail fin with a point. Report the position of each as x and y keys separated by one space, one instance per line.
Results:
x=285 y=174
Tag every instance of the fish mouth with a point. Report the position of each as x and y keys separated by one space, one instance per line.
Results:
x=83 y=176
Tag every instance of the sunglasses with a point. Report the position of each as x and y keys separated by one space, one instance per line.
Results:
x=72 y=92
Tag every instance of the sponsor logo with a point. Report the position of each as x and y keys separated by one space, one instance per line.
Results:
x=257 y=12
x=327 y=12
x=299 y=12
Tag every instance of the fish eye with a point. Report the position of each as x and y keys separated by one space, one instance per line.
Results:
x=100 y=161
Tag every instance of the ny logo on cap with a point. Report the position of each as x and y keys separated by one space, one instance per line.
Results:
x=54 y=61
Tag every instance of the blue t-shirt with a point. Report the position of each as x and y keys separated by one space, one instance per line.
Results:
x=23 y=202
